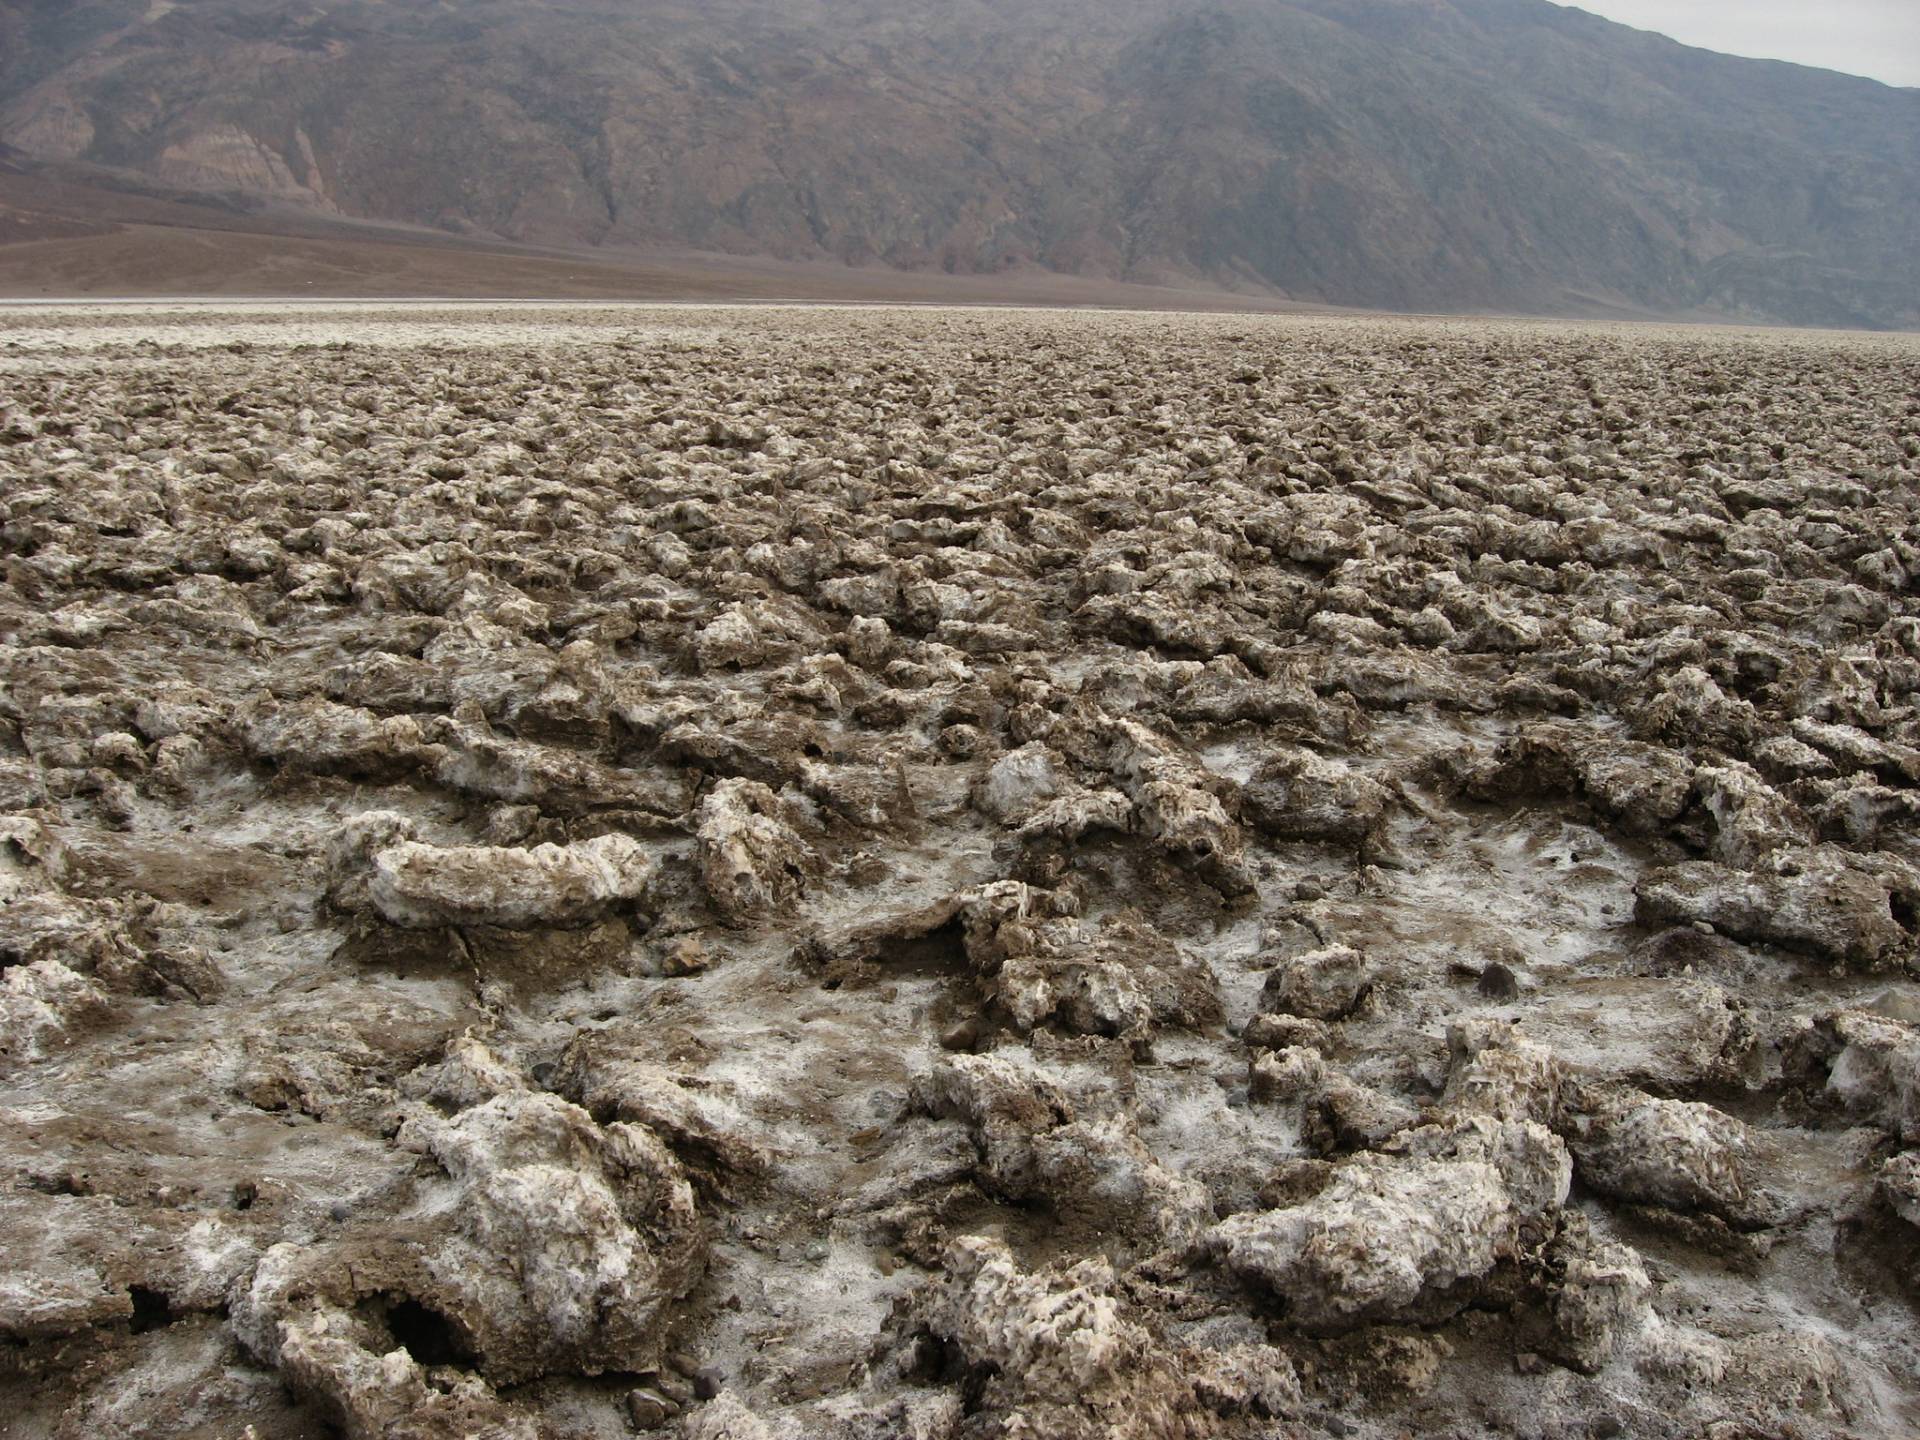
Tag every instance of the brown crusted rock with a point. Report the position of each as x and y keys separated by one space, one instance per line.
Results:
x=1395 y=1229
x=1784 y=758
x=1092 y=996
x=750 y=858
x=1290 y=1073
x=1856 y=749
x=1297 y=795
x=1321 y=985
x=995 y=920
x=875 y=797
x=773 y=752
x=869 y=641
x=1872 y=1068
x=1348 y=1115
x=1491 y=626
x=1383 y=1362
x=1321 y=529
x=1120 y=978
x=468 y=1074
x=563 y=575
x=1799 y=1374
x=41 y=1004
x=1224 y=692
x=1498 y=1072
x=1157 y=619
x=1019 y=783
x=329 y=739
x=1677 y=1153
x=390 y=683
x=57 y=1296
x=1099 y=1171
x=1395 y=679
x=1751 y=819
x=875 y=596
x=1077 y=813
x=178 y=763
x=599 y=1222
x=569 y=703
x=1007 y=1104
x=1267 y=1031
x=1033 y=1146
x=1898 y=1184
x=1863 y=812
x=1194 y=826
x=422 y=886
x=173 y=709
x=1056 y=1355
x=1667 y=1032
x=1642 y=788
x=1821 y=899
x=472 y=760
x=1243 y=1381
x=1689 y=707
x=376 y=1395
x=609 y=1073
x=1599 y=1297
x=1174 y=806
x=350 y=853
x=732 y=641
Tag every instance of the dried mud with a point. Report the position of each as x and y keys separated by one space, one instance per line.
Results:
x=799 y=872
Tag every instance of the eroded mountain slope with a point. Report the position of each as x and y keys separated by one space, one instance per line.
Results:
x=1508 y=155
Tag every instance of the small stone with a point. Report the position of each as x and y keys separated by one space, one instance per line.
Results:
x=965 y=1036
x=1277 y=1032
x=1498 y=983
x=962 y=741
x=649 y=1410
x=1030 y=722
x=685 y=956
x=708 y=1382
x=1321 y=985
x=869 y=641
x=674 y=1386
x=1309 y=889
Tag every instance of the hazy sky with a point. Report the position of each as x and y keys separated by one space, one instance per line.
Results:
x=1880 y=38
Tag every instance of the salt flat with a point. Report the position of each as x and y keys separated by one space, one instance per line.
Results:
x=839 y=871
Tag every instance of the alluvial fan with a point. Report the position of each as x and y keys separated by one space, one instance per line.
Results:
x=790 y=872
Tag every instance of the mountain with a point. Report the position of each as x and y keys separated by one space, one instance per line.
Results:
x=1405 y=154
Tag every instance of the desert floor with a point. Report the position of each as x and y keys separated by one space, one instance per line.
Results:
x=791 y=871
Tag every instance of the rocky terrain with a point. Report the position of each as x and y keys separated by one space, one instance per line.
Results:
x=1512 y=156
x=955 y=874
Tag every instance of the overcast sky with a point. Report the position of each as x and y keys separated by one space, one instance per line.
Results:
x=1880 y=38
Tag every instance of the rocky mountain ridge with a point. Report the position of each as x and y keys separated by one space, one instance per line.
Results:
x=1402 y=154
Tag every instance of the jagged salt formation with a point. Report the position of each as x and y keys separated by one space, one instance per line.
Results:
x=948 y=874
